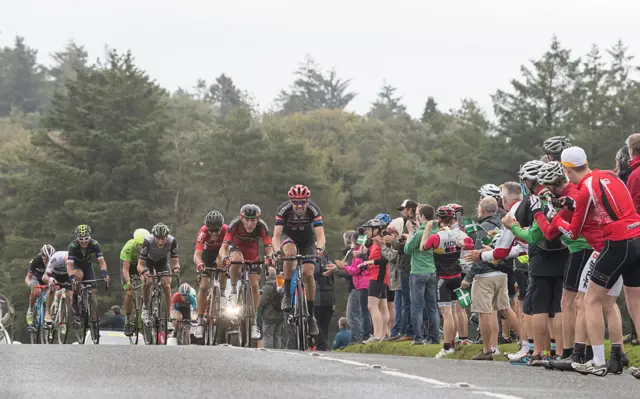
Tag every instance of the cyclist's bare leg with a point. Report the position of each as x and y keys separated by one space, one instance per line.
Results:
x=376 y=316
x=76 y=287
x=614 y=319
x=222 y=276
x=35 y=294
x=146 y=291
x=235 y=256
x=203 y=291
x=166 y=287
x=568 y=305
x=384 y=313
x=50 y=292
x=448 y=322
x=289 y=249
x=462 y=321
x=128 y=302
x=254 y=278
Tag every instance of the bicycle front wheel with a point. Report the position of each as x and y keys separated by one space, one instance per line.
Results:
x=62 y=321
x=95 y=324
x=214 y=317
x=133 y=339
x=301 y=319
x=161 y=319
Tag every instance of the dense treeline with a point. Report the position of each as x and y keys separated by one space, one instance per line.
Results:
x=102 y=143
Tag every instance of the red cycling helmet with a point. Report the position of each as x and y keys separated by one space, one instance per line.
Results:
x=445 y=211
x=299 y=192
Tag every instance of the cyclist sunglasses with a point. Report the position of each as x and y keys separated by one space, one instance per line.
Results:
x=213 y=231
x=299 y=202
x=84 y=239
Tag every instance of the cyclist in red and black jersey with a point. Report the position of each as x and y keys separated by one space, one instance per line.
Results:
x=299 y=229
x=603 y=197
x=208 y=243
x=241 y=243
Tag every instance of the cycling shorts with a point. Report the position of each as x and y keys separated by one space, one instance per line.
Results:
x=575 y=266
x=587 y=273
x=184 y=309
x=526 y=304
x=618 y=258
x=377 y=289
x=248 y=254
x=391 y=295
x=546 y=294
x=511 y=285
x=522 y=279
x=158 y=266
x=301 y=248
x=86 y=269
x=61 y=278
x=446 y=296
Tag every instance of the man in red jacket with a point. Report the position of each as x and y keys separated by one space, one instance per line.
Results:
x=602 y=197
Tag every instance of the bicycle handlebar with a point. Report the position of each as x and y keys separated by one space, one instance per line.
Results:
x=40 y=286
x=63 y=285
x=247 y=262
x=300 y=257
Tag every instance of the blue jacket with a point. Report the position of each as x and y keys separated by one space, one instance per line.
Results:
x=342 y=339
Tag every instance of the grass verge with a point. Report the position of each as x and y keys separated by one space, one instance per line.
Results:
x=466 y=352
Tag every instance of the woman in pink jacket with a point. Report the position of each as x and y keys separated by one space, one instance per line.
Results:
x=361 y=284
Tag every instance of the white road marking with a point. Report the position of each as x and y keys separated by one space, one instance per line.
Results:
x=431 y=381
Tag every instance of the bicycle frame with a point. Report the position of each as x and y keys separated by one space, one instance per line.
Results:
x=155 y=296
x=85 y=299
x=36 y=330
x=300 y=314
x=59 y=300
x=248 y=307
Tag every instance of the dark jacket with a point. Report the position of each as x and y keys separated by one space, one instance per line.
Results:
x=325 y=286
x=269 y=302
x=404 y=260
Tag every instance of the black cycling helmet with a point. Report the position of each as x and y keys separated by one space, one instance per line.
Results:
x=250 y=211
x=160 y=230
x=214 y=220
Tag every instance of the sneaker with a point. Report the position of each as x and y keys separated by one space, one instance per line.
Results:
x=483 y=356
x=565 y=364
x=313 y=326
x=255 y=332
x=615 y=363
x=535 y=361
x=497 y=352
x=444 y=352
x=47 y=318
x=29 y=317
x=519 y=355
x=417 y=342
x=286 y=303
x=635 y=371
x=145 y=317
x=591 y=368
x=393 y=338
x=371 y=339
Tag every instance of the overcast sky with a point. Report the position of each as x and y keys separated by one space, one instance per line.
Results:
x=447 y=49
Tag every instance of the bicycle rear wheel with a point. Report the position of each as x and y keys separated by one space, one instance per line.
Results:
x=245 y=321
x=133 y=339
x=95 y=325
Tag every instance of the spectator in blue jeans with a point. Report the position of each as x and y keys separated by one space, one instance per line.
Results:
x=403 y=298
x=423 y=282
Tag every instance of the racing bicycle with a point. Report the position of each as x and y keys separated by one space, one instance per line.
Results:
x=300 y=314
x=212 y=313
x=245 y=300
x=60 y=314
x=158 y=312
x=38 y=329
x=87 y=307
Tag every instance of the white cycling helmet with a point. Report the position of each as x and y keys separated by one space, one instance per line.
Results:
x=529 y=171
x=550 y=172
x=47 y=250
x=554 y=145
x=490 y=190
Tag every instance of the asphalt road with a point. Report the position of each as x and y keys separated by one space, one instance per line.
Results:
x=224 y=372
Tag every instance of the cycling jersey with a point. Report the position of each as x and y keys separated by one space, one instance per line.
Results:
x=177 y=301
x=379 y=270
x=208 y=242
x=58 y=264
x=299 y=228
x=152 y=252
x=130 y=252
x=446 y=251
x=505 y=242
x=82 y=256
x=238 y=235
x=604 y=199
x=37 y=267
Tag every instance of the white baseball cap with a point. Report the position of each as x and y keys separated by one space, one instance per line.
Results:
x=573 y=157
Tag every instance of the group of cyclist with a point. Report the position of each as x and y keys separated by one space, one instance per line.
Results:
x=298 y=230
